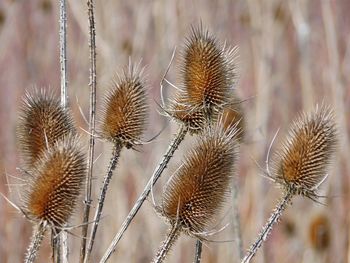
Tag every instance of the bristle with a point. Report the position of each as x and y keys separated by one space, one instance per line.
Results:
x=125 y=110
x=209 y=70
x=198 y=189
x=43 y=121
x=319 y=233
x=56 y=182
x=233 y=118
x=307 y=152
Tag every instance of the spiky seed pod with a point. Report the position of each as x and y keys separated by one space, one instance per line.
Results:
x=56 y=182
x=209 y=70
x=125 y=110
x=43 y=121
x=320 y=233
x=198 y=189
x=233 y=118
x=301 y=164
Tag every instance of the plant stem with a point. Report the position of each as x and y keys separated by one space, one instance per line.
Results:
x=90 y=162
x=173 y=234
x=156 y=175
x=274 y=218
x=198 y=253
x=37 y=237
x=236 y=220
x=60 y=244
x=98 y=213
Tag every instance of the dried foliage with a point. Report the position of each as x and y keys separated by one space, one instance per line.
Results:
x=125 y=109
x=55 y=183
x=43 y=121
x=306 y=153
x=320 y=233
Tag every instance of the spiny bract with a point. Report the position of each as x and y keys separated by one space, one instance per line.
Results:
x=301 y=164
x=125 y=110
x=55 y=183
x=196 y=192
x=43 y=121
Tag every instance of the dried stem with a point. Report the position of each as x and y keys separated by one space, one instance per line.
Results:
x=101 y=200
x=198 y=253
x=37 y=237
x=236 y=221
x=156 y=175
x=90 y=161
x=274 y=218
x=60 y=244
x=167 y=244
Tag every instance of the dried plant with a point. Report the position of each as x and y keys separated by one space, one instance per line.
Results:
x=320 y=233
x=125 y=113
x=54 y=187
x=43 y=121
x=196 y=192
x=209 y=73
x=301 y=165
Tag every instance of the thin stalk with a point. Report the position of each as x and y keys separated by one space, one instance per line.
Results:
x=198 y=253
x=156 y=175
x=274 y=218
x=91 y=151
x=101 y=200
x=37 y=237
x=60 y=244
x=236 y=221
x=163 y=250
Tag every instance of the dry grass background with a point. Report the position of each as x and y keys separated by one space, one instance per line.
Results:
x=293 y=54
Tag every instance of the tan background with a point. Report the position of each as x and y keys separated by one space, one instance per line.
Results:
x=293 y=55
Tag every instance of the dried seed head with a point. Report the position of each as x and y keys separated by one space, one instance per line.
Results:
x=209 y=70
x=57 y=178
x=306 y=153
x=43 y=121
x=198 y=189
x=125 y=110
x=320 y=233
x=233 y=118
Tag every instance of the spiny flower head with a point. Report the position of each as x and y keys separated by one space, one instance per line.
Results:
x=55 y=183
x=125 y=109
x=209 y=70
x=197 y=191
x=302 y=162
x=43 y=121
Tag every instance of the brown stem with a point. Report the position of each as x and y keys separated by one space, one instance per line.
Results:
x=90 y=162
x=37 y=237
x=101 y=200
x=156 y=175
x=163 y=250
x=274 y=218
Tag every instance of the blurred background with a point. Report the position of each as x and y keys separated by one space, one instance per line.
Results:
x=293 y=55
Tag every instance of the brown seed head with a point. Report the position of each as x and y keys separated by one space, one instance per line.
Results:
x=209 y=70
x=198 y=189
x=307 y=152
x=320 y=233
x=43 y=121
x=57 y=179
x=125 y=110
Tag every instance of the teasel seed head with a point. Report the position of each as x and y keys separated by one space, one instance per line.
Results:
x=197 y=191
x=209 y=70
x=305 y=155
x=56 y=181
x=43 y=121
x=320 y=233
x=125 y=109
